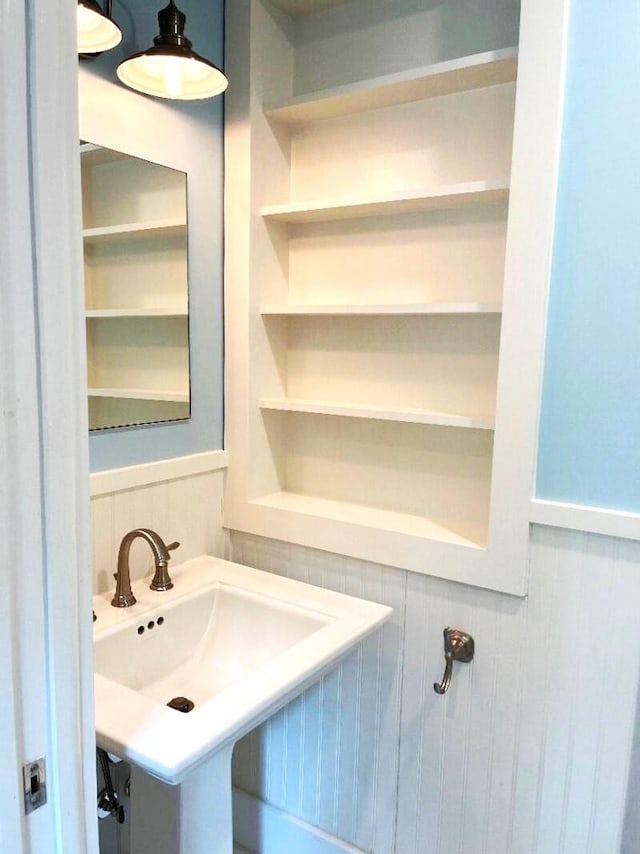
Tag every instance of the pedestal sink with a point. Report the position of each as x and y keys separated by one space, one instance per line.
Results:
x=228 y=646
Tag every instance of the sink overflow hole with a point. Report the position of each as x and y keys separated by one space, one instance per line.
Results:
x=181 y=704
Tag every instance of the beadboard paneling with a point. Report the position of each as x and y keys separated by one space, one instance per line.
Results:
x=529 y=751
x=187 y=509
x=331 y=756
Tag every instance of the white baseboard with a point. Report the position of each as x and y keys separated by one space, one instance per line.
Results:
x=263 y=829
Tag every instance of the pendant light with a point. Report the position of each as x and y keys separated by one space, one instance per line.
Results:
x=97 y=32
x=170 y=69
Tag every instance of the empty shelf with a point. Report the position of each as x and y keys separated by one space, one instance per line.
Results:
x=306 y=7
x=370 y=517
x=136 y=312
x=361 y=309
x=378 y=413
x=452 y=195
x=95 y=155
x=430 y=81
x=140 y=394
x=154 y=228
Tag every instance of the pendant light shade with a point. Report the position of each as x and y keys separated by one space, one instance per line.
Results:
x=170 y=69
x=96 y=31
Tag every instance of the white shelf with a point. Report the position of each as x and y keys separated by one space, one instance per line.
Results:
x=376 y=412
x=369 y=517
x=430 y=81
x=136 y=312
x=94 y=155
x=306 y=7
x=404 y=415
x=152 y=228
x=451 y=195
x=140 y=394
x=363 y=310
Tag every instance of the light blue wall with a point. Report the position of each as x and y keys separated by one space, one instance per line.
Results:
x=590 y=430
x=114 y=448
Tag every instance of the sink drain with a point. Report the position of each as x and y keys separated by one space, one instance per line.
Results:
x=181 y=704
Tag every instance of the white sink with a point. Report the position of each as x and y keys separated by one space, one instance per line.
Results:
x=202 y=643
x=239 y=643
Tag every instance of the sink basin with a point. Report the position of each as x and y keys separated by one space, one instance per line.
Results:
x=237 y=643
x=200 y=644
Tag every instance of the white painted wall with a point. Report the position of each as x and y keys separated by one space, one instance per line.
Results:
x=529 y=751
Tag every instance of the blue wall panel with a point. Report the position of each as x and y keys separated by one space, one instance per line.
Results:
x=590 y=429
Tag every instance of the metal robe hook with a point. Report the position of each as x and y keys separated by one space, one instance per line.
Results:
x=458 y=646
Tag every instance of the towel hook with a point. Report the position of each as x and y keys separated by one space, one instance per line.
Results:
x=458 y=646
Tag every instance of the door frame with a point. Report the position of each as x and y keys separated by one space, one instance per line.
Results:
x=46 y=671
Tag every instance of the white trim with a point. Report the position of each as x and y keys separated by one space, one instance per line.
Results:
x=44 y=526
x=64 y=453
x=130 y=477
x=593 y=520
x=259 y=827
x=532 y=208
x=23 y=667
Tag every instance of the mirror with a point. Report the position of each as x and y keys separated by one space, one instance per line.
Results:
x=136 y=295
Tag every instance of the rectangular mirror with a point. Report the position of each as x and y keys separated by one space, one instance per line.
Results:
x=136 y=293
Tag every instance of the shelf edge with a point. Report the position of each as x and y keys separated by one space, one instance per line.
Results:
x=347 y=309
x=139 y=394
x=372 y=413
x=451 y=195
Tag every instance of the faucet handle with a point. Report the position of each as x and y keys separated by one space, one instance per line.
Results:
x=162 y=580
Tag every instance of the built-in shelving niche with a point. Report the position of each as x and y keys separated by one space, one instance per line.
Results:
x=379 y=211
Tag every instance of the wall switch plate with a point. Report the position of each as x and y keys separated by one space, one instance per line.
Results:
x=35 y=785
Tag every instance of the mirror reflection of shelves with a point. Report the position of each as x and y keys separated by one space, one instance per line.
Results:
x=131 y=230
x=135 y=246
x=135 y=312
x=377 y=271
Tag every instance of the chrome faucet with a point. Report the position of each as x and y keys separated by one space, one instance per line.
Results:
x=123 y=596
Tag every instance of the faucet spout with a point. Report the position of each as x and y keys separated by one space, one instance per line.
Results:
x=123 y=597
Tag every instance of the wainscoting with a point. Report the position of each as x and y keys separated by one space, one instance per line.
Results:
x=528 y=752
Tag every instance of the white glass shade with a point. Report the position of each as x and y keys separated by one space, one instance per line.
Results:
x=96 y=32
x=185 y=78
